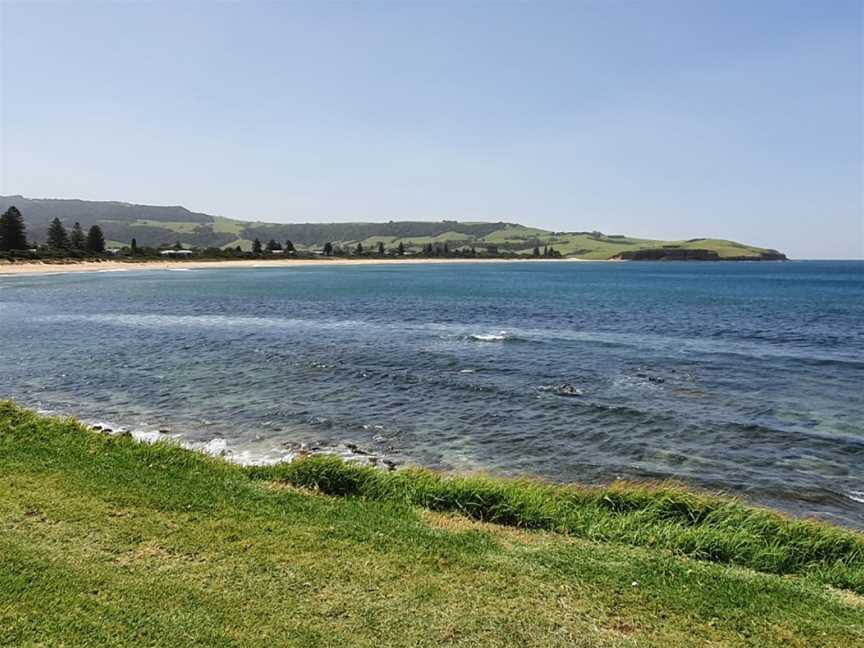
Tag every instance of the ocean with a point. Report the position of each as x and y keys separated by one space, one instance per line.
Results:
x=742 y=377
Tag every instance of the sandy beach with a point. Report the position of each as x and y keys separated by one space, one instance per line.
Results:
x=121 y=266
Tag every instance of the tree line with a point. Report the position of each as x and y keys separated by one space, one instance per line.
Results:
x=60 y=242
x=13 y=236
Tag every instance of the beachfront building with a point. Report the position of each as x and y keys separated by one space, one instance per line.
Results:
x=176 y=253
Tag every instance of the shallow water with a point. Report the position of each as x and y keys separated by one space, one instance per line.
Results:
x=744 y=377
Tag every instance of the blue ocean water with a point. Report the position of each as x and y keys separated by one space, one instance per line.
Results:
x=743 y=377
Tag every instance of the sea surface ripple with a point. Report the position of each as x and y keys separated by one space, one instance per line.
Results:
x=743 y=377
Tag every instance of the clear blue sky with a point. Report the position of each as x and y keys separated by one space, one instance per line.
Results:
x=733 y=119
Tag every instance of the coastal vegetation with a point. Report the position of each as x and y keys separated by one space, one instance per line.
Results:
x=110 y=541
x=61 y=246
x=60 y=243
x=156 y=228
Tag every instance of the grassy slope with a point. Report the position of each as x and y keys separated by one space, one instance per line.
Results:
x=105 y=541
x=154 y=225
x=519 y=237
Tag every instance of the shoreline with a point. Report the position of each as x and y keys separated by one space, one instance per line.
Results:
x=230 y=452
x=294 y=470
x=333 y=553
x=32 y=268
x=357 y=455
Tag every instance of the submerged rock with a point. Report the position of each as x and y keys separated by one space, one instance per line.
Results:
x=354 y=448
x=566 y=389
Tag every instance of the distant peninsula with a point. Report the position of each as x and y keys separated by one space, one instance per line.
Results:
x=159 y=227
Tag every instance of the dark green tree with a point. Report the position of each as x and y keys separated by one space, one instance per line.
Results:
x=446 y=249
x=57 y=236
x=273 y=245
x=380 y=248
x=289 y=247
x=256 y=246
x=76 y=238
x=95 y=240
x=328 y=249
x=546 y=251
x=359 y=249
x=12 y=231
x=537 y=250
x=401 y=249
x=134 y=247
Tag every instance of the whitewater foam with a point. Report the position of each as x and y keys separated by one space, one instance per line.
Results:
x=491 y=337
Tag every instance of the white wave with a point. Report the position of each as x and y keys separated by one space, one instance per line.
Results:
x=147 y=436
x=491 y=337
x=856 y=496
x=215 y=447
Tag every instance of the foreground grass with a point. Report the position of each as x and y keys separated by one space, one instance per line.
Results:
x=105 y=541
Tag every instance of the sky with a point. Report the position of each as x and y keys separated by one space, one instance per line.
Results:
x=727 y=119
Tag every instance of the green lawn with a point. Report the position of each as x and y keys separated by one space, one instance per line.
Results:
x=108 y=542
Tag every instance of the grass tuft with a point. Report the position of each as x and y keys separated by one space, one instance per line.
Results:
x=664 y=516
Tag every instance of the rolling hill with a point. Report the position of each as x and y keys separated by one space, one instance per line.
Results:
x=157 y=226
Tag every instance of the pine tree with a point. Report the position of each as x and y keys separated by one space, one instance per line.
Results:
x=537 y=250
x=328 y=249
x=273 y=245
x=256 y=246
x=57 y=237
x=12 y=232
x=401 y=249
x=95 y=240
x=380 y=248
x=76 y=238
x=359 y=249
x=134 y=246
x=289 y=247
x=446 y=249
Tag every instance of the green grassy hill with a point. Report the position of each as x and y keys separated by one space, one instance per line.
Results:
x=106 y=541
x=156 y=226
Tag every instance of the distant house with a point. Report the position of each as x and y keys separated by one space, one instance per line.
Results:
x=277 y=251
x=176 y=253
